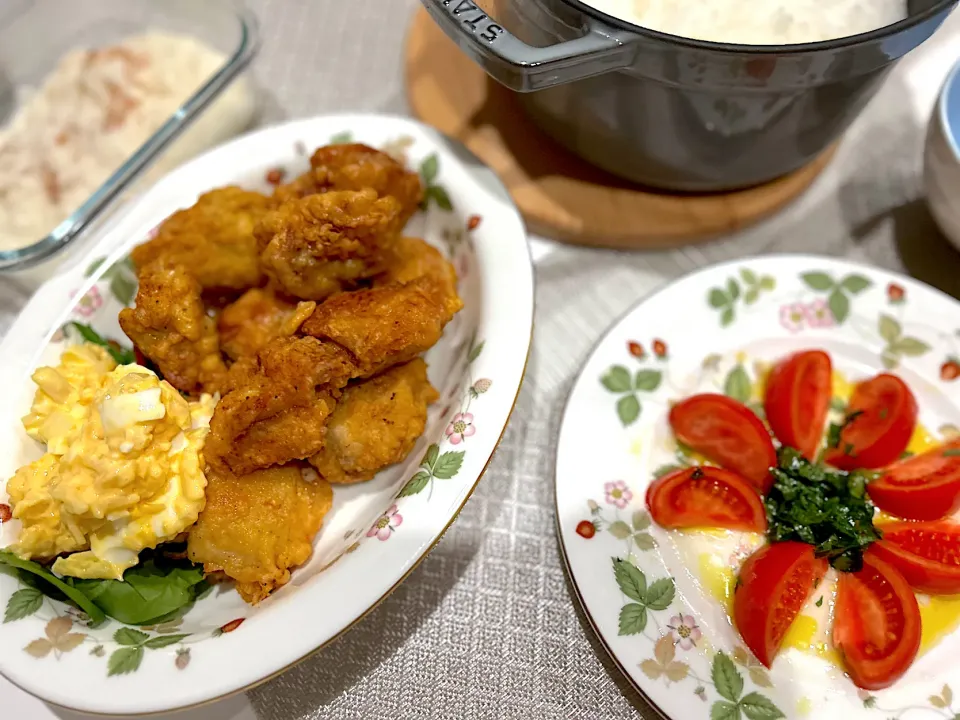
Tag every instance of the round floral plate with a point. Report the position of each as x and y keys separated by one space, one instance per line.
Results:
x=376 y=532
x=657 y=599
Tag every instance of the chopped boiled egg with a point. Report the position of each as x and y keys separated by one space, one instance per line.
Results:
x=123 y=469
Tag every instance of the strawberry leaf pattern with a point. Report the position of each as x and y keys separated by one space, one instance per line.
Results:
x=133 y=644
x=633 y=583
x=59 y=639
x=23 y=603
x=746 y=290
x=432 y=191
x=838 y=292
x=898 y=345
x=627 y=386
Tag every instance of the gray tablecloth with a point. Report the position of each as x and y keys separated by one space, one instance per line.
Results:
x=487 y=627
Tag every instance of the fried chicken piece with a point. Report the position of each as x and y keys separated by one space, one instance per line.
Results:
x=257 y=317
x=383 y=326
x=320 y=244
x=376 y=423
x=169 y=325
x=411 y=258
x=256 y=527
x=276 y=408
x=354 y=166
x=213 y=239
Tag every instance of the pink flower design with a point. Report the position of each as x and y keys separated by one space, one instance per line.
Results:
x=383 y=528
x=819 y=314
x=685 y=631
x=792 y=316
x=90 y=302
x=460 y=428
x=618 y=493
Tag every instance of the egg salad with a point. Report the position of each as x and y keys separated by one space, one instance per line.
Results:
x=123 y=470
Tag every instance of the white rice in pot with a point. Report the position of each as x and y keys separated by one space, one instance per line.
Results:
x=758 y=22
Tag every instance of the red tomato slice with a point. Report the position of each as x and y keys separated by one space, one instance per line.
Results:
x=876 y=623
x=728 y=433
x=773 y=586
x=882 y=416
x=926 y=554
x=925 y=487
x=706 y=497
x=798 y=399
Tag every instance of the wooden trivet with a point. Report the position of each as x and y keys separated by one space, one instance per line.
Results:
x=559 y=195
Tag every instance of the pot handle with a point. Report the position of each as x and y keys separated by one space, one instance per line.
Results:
x=522 y=67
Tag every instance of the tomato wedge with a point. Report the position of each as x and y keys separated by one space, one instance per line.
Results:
x=728 y=433
x=706 y=497
x=876 y=625
x=774 y=584
x=797 y=400
x=926 y=554
x=881 y=417
x=925 y=487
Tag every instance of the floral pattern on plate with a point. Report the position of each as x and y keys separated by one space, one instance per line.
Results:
x=665 y=629
x=364 y=549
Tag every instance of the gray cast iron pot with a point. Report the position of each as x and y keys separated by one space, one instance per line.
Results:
x=675 y=113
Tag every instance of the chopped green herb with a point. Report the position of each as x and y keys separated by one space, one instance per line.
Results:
x=823 y=507
x=907 y=454
x=835 y=429
x=819 y=601
x=833 y=435
x=684 y=450
x=951 y=452
x=838 y=404
x=883 y=413
x=117 y=352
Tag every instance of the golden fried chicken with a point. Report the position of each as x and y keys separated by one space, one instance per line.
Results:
x=376 y=423
x=293 y=434
x=169 y=325
x=256 y=527
x=276 y=409
x=383 y=326
x=213 y=239
x=257 y=317
x=321 y=244
x=411 y=258
x=353 y=166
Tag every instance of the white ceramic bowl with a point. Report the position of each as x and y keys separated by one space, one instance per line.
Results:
x=941 y=159
x=477 y=367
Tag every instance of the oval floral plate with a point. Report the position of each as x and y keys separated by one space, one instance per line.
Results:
x=656 y=611
x=376 y=532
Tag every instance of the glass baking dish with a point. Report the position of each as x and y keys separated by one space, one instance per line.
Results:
x=35 y=34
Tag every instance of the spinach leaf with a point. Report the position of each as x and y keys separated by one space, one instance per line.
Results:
x=151 y=592
x=117 y=352
x=823 y=507
x=75 y=596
